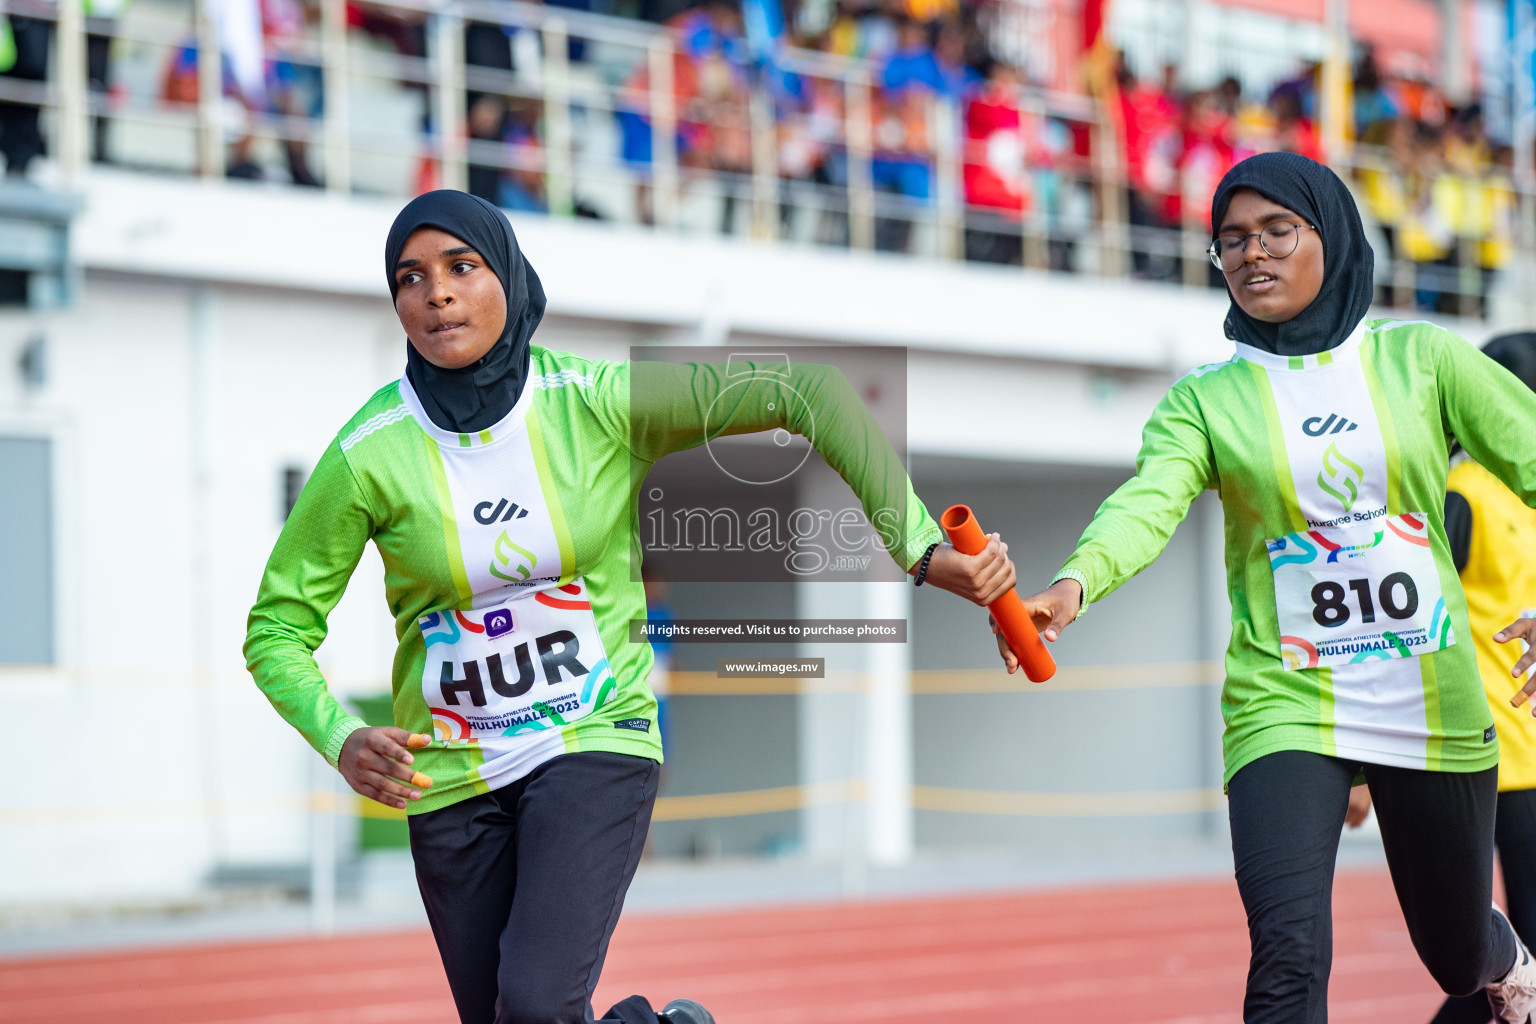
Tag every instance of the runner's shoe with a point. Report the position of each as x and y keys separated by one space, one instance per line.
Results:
x=1514 y=997
x=686 y=1011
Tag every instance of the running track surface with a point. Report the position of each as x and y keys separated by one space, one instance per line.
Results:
x=1157 y=954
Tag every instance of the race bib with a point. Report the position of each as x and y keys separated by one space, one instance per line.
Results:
x=1353 y=593
x=513 y=670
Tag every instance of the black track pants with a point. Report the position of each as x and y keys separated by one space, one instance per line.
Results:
x=1515 y=836
x=1287 y=811
x=523 y=887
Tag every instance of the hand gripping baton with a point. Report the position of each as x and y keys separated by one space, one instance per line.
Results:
x=1018 y=628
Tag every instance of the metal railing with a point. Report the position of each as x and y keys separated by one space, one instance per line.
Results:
x=593 y=118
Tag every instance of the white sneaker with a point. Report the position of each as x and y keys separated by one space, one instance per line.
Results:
x=1514 y=998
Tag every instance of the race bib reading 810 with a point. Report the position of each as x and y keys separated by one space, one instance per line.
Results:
x=511 y=671
x=1355 y=593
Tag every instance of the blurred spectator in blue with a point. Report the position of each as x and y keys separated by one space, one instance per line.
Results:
x=915 y=75
x=939 y=66
x=1299 y=92
x=708 y=96
x=293 y=86
x=1373 y=102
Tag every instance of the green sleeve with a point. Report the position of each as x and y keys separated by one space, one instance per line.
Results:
x=1133 y=525
x=314 y=558
x=1490 y=411
x=673 y=407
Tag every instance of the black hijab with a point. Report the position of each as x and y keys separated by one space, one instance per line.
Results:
x=1314 y=192
x=472 y=397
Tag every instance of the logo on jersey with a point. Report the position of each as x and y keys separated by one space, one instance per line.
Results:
x=1341 y=477
x=503 y=511
x=1316 y=426
x=499 y=622
x=505 y=559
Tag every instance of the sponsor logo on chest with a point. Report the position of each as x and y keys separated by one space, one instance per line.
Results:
x=1333 y=443
x=506 y=534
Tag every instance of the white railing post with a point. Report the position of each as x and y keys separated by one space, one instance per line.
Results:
x=559 y=186
x=1114 y=236
x=73 y=109
x=335 y=84
x=765 y=165
x=448 y=103
x=1335 y=80
x=859 y=131
x=210 y=92
x=663 y=106
x=944 y=122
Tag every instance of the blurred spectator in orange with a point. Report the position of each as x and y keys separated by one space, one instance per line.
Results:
x=1294 y=131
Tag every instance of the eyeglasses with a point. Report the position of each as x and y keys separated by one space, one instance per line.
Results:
x=1278 y=240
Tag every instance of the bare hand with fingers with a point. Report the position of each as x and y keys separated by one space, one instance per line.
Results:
x=981 y=578
x=376 y=763
x=1053 y=609
x=1521 y=629
x=1359 y=807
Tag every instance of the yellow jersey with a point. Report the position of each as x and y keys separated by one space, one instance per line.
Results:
x=1500 y=584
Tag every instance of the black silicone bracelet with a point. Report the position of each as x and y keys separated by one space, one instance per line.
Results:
x=922 y=570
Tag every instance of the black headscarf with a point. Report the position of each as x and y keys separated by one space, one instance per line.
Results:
x=472 y=397
x=1314 y=192
x=1516 y=352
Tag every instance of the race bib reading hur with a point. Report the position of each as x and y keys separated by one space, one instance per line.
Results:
x=502 y=675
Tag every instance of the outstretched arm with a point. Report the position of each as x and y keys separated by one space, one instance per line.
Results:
x=1490 y=411
x=1133 y=525
x=674 y=407
x=1493 y=414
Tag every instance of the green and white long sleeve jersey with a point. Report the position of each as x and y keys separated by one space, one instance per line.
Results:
x=1349 y=628
x=508 y=555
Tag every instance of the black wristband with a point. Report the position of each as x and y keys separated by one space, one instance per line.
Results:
x=922 y=569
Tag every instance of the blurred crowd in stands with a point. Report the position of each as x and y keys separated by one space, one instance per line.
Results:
x=1436 y=188
x=1437 y=191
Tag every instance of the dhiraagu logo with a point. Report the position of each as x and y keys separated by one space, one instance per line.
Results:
x=509 y=557
x=1340 y=477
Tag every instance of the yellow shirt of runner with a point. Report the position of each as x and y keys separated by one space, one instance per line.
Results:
x=1500 y=583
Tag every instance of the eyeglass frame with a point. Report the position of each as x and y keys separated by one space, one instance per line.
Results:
x=1215 y=257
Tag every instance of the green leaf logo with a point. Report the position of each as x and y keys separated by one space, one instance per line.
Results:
x=1340 y=475
x=502 y=556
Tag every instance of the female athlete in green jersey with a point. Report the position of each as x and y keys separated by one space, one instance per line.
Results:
x=1326 y=437
x=499 y=482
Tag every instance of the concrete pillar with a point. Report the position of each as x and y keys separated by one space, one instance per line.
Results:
x=856 y=727
x=888 y=835
x=1215 y=612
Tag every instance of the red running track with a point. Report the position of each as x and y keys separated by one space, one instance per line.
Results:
x=1152 y=954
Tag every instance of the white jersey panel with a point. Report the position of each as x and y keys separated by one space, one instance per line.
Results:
x=507 y=536
x=1338 y=462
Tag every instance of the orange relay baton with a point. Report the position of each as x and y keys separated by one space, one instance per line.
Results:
x=1018 y=628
